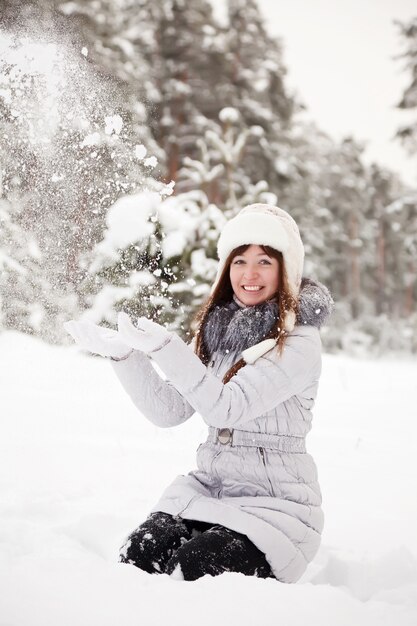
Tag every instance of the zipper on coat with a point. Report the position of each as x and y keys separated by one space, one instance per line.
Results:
x=262 y=453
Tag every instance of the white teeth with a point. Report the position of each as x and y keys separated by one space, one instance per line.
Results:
x=251 y=288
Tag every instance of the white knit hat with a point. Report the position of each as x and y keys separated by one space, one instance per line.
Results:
x=267 y=225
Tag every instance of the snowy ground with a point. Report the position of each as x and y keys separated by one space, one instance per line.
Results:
x=80 y=468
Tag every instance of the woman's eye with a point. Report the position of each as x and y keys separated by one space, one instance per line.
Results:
x=266 y=261
x=238 y=261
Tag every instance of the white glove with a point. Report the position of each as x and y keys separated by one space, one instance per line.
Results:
x=98 y=340
x=146 y=336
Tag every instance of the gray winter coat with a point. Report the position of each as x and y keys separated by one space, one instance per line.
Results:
x=256 y=477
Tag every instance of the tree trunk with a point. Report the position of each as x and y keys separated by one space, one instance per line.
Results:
x=380 y=247
x=354 y=278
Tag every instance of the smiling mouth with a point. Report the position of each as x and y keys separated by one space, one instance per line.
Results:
x=251 y=287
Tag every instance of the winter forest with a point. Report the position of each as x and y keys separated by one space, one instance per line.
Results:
x=131 y=130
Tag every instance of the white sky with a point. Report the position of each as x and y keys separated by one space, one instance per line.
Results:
x=339 y=55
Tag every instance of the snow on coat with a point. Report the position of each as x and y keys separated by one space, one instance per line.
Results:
x=261 y=481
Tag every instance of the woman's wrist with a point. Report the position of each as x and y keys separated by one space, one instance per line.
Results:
x=122 y=358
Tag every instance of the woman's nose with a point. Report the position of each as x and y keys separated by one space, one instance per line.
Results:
x=250 y=271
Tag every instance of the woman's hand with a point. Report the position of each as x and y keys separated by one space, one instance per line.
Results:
x=146 y=336
x=98 y=340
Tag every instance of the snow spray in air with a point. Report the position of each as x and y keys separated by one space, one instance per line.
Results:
x=68 y=152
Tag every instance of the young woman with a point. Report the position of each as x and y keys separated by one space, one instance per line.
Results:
x=254 y=503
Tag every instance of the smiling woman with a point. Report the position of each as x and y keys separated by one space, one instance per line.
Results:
x=253 y=504
x=254 y=274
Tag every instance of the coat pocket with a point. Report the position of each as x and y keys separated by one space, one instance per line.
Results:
x=264 y=460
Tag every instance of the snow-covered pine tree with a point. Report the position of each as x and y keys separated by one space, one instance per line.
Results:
x=120 y=43
x=156 y=258
x=28 y=298
x=193 y=68
x=388 y=269
x=218 y=172
x=347 y=182
x=401 y=254
x=408 y=132
x=186 y=55
x=20 y=274
x=379 y=276
x=258 y=91
x=405 y=208
x=74 y=119
x=306 y=160
x=114 y=37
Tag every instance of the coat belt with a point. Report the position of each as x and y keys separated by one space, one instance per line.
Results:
x=232 y=437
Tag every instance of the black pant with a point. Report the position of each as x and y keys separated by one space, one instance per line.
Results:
x=164 y=543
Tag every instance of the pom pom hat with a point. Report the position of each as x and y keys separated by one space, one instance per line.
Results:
x=266 y=225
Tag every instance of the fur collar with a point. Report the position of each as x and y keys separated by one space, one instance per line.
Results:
x=232 y=327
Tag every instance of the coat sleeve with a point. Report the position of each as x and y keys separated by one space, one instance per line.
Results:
x=157 y=399
x=255 y=390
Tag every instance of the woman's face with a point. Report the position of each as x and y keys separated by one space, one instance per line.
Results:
x=254 y=276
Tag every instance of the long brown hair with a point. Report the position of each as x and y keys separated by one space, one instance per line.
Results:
x=223 y=292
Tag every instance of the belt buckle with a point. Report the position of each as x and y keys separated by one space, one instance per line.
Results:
x=224 y=436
